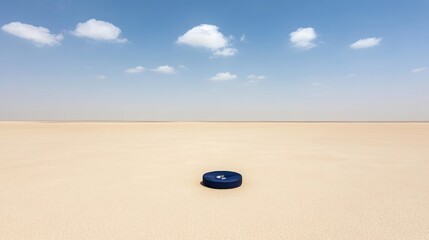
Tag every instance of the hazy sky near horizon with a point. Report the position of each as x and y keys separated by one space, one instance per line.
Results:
x=214 y=60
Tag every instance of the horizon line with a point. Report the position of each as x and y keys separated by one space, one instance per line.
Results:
x=214 y=121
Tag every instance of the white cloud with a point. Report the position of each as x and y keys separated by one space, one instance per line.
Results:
x=256 y=77
x=99 y=30
x=303 y=38
x=243 y=38
x=366 y=43
x=416 y=70
x=165 y=69
x=137 y=69
x=208 y=36
x=225 y=52
x=204 y=35
x=39 y=35
x=101 y=77
x=223 y=76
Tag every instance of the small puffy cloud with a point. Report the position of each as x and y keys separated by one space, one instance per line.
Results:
x=225 y=52
x=39 y=35
x=416 y=70
x=223 y=76
x=366 y=43
x=204 y=35
x=165 y=69
x=254 y=79
x=99 y=30
x=208 y=36
x=303 y=38
x=137 y=69
x=101 y=77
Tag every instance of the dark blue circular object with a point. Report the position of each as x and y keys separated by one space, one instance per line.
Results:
x=222 y=179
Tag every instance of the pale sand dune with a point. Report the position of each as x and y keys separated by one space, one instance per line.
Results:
x=142 y=181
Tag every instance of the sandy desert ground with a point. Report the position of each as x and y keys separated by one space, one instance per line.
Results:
x=142 y=180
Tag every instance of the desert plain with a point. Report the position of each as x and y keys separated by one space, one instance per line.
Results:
x=141 y=180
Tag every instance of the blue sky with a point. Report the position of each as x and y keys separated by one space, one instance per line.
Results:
x=214 y=60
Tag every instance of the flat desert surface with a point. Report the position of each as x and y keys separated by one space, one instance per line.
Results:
x=65 y=180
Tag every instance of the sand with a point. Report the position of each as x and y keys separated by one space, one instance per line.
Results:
x=142 y=180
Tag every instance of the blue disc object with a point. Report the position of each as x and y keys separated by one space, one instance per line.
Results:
x=222 y=179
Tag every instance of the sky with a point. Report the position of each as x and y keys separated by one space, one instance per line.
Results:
x=214 y=60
